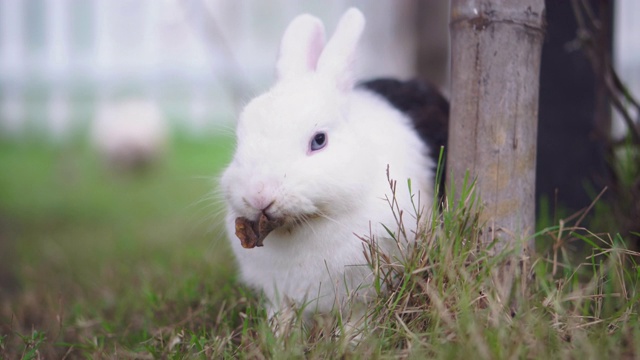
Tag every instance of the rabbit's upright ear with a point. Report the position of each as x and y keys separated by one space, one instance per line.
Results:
x=337 y=58
x=300 y=47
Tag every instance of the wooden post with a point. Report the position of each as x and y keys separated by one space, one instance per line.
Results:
x=495 y=63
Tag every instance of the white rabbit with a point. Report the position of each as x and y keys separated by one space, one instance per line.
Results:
x=312 y=156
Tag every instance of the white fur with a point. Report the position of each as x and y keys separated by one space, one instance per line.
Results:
x=129 y=133
x=329 y=196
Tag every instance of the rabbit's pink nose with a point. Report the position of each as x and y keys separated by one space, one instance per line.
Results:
x=261 y=196
x=259 y=202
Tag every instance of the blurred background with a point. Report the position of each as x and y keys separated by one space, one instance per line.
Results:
x=197 y=59
x=117 y=115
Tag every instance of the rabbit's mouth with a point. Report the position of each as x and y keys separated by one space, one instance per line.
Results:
x=252 y=233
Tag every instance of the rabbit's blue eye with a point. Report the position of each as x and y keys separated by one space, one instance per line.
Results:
x=319 y=141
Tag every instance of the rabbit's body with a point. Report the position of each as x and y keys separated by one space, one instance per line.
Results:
x=313 y=153
x=322 y=258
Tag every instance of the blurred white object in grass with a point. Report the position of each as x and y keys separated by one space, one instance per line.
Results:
x=626 y=58
x=130 y=134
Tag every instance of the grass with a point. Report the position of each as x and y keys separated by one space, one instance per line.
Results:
x=98 y=265
x=91 y=258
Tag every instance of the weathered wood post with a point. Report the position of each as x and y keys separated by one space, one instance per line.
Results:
x=495 y=63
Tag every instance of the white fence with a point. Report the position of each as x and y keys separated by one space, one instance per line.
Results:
x=199 y=59
x=60 y=59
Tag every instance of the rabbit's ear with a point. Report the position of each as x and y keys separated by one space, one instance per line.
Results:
x=301 y=46
x=337 y=58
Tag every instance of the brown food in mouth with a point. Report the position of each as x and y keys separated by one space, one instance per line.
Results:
x=253 y=233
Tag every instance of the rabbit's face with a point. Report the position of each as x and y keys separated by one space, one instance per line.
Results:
x=295 y=156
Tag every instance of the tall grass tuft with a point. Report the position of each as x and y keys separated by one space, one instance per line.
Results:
x=442 y=299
